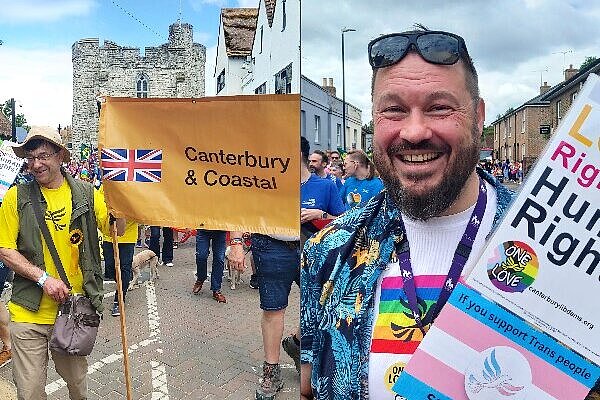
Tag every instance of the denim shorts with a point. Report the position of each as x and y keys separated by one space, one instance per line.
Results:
x=277 y=267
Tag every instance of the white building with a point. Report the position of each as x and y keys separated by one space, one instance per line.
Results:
x=321 y=118
x=273 y=64
x=234 y=49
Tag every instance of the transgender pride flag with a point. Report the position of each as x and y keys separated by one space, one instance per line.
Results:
x=464 y=340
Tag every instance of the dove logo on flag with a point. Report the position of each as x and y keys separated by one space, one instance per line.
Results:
x=131 y=165
x=497 y=373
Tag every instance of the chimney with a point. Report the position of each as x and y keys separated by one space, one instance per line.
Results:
x=329 y=88
x=570 y=72
x=544 y=88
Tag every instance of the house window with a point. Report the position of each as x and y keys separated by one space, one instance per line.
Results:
x=338 y=136
x=523 y=150
x=573 y=96
x=142 y=87
x=509 y=128
x=523 y=123
x=261 y=40
x=317 y=128
x=303 y=123
x=283 y=16
x=262 y=89
x=283 y=80
x=558 y=110
x=355 y=136
x=505 y=130
x=221 y=81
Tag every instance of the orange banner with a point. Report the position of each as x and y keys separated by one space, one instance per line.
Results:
x=227 y=163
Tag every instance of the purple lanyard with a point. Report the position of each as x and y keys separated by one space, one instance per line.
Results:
x=461 y=254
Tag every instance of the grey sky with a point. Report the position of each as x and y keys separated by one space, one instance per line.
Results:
x=510 y=41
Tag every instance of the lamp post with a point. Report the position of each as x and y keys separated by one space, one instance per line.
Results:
x=344 y=30
x=14 y=120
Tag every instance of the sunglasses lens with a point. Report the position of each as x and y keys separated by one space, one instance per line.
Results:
x=438 y=48
x=387 y=51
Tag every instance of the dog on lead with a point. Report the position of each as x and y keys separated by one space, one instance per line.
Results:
x=140 y=260
x=234 y=275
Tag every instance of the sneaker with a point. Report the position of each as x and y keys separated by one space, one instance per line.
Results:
x=292 y=349
x=115 y=310
x=270 y=383
x=175 y=245
x=5 y=356
x=169 y=264
x=218 y=296
x=197 y=287
x=253 y=281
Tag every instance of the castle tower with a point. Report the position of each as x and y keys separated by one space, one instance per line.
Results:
x=86 y=67
x=173 y=69
x=181 y=35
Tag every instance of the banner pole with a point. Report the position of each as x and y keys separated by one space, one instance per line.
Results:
x=121 y=302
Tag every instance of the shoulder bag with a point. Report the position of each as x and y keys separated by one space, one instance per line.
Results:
x=77 y=322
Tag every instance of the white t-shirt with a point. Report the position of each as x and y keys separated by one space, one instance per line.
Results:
x=394 y=337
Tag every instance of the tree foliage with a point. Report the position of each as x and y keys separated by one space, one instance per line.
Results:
x=19 y=117
x=369 y=127
x=589 y=60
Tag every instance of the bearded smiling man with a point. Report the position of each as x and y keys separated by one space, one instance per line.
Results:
x=374 y=281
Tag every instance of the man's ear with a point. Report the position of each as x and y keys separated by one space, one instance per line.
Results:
x=480 y=110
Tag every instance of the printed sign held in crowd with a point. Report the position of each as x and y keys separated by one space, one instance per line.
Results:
x=526 y=322
x=227 y=163
x=10 y=165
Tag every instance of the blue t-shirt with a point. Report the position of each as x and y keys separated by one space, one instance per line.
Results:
x=356 y=192
x=322 y=194
x=336 y=180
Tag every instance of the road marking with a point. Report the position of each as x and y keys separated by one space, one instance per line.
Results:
x=160 y=389
x=60 y=383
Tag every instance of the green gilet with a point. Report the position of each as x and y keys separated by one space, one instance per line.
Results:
x=27 y=293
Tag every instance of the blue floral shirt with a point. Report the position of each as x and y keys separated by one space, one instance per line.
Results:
x=340 y=268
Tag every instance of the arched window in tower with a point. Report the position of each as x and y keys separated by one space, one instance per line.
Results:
x=142 y=87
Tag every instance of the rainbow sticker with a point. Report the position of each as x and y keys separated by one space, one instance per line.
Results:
x=512 y=266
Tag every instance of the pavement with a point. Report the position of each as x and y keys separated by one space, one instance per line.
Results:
x=181 y=346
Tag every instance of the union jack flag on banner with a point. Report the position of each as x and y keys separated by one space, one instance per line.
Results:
x=131 y=165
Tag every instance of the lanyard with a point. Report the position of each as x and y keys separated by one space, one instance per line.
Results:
x=461 y=254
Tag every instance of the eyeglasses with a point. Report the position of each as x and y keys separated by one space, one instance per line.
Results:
x=41 y=157
x=436 y=47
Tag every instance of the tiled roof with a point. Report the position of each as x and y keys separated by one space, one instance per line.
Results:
x=5 y=126
x=270 y=7
x=558 y=89
x=239 y=25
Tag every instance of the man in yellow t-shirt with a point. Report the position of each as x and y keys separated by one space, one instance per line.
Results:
x=126 y=250
x=69 y=217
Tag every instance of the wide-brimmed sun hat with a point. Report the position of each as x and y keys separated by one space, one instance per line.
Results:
x=45 y=133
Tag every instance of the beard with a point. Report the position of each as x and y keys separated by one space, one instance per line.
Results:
x=436 y=201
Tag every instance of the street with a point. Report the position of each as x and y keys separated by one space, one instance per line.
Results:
x=181 y=346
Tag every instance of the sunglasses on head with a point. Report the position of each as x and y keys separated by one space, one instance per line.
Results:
x=436 y=47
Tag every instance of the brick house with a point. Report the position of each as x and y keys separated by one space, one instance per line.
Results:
x=523 y=133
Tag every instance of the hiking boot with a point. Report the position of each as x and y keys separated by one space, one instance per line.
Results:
x=5 y=356
x=253 y=281
x=197 y=287
x=218 y=296
x=292 y=349
x=270 y=383
x=115 y=310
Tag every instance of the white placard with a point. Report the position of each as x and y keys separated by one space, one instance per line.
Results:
x=543 y=262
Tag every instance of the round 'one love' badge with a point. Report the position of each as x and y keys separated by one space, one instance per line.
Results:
x=512 y=266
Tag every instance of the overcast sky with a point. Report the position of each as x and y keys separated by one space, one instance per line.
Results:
x=37 y=35
x=510 y=41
